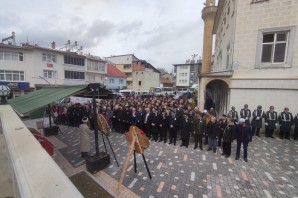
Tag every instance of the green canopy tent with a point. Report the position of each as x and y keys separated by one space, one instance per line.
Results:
x=30 y=102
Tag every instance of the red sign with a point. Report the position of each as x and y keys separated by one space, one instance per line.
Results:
x=49 y=65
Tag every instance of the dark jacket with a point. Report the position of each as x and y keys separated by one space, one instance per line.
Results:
x=258 y=116
x=198 y=126
x=243 y=133
x=271 y=119
x=186 y=128
x=229 y=133
x=212 y=129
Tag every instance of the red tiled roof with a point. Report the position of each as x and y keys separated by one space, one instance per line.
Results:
x=114 y=72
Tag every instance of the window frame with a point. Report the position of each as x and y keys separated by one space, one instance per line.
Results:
x=21 y=75
x=289 y=48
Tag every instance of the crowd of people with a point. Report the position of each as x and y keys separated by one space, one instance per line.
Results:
x=170 y=120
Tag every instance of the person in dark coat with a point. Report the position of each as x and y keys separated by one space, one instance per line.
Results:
x=295 y=121
x=186 y=128
x=286 y=122
x=270 y=122
x=198 y=131
x=245 y=113
x=212 y=129
x=115 y=119
x=163 y=126
x=256 y=123
x=173 y=125
x=140 y=119
x=126 y=118
x=242 y=136
x=228 y=137
x=120 y=116
x=147 y=122
x=154 y=120
x=222 y=126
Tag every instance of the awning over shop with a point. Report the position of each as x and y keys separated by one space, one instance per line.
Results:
x=35 y=100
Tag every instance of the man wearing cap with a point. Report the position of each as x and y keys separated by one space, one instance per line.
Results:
x=228 y=137
x=186 y=127
x=270 y=121
x=84 y=137
x=286 y=122
x=256 y=123
x=246 y=114
x=198 y=131
x=233 y=114
x=222 y=126
x=242 y=136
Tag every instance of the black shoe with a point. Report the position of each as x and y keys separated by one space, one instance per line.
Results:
x=214 y=150
x=272 y=137
x=227 y=156
x=237 y=158
x=174 y=143
x=223 y=154
x=209 y=149
x=288 y=138
x=160 y=141
x=205 y=143
x=245 y=159
x=182 y=145
x=186 y=146
x=195 y=147
x=201 y=148
x=170 y=142
x=258 y=135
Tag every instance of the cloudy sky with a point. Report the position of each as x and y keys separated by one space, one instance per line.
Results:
x=163 y=32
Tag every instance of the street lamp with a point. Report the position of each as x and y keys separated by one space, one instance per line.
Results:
x=4 y=92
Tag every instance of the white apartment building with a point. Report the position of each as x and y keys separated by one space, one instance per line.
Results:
x=255 y=56
x=29 y=67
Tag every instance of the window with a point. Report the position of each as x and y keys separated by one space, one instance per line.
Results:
x=49 y=73
x=11 y=56
x=49 y=58
x=74 y=60
x=274 y=47
x=127 y=66
x=111 y=81
x=11 y=75
x=91 y=77
x=120 y=81
x=74 y=75
x=140 y=83
x=185 y=74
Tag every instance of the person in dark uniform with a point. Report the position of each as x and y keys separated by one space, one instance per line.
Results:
x=222 y=126
x=186 y=128
x=126 y=118
x=163 y=126
x=228 y=137
x=173 y=125
x=115 y=119
x=242 y=136
x=233 y=114
x=270 y=122
x=245 y=113
x=133 y=120
x=212 y=129
x=147 y=123
x=256 y=123
x=70 y=114
x=120 y=115
x=154 y=120
x=140 y=119
x=295 y=121
x=198 y=131
x=286 y=122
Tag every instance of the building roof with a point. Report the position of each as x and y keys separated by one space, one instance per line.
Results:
x=114 y=72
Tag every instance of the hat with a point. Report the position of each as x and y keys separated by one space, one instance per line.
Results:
x=85 y=119
x=259 y=107
x=205 y=111
x=241 y=120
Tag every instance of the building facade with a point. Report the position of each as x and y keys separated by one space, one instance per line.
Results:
x=187 y=74
x=141 y=75
x=255 y=56
x=115 y=80
x=29 y=67
x=167 y=80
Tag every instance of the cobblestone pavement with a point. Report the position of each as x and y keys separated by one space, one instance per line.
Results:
x=271 y=170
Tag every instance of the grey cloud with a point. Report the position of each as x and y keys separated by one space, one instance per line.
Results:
x=130 y=27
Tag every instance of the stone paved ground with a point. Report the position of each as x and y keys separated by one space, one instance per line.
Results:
x=184 y=172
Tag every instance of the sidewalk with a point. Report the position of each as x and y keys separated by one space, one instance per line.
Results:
x=176 y=171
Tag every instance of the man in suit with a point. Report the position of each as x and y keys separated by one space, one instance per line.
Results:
x=242 y=136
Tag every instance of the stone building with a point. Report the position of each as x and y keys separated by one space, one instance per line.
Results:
x=255 y=58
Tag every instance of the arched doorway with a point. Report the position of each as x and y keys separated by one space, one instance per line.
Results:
x=216 y=96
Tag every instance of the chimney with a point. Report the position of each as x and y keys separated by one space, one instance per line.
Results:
x=53 y=45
